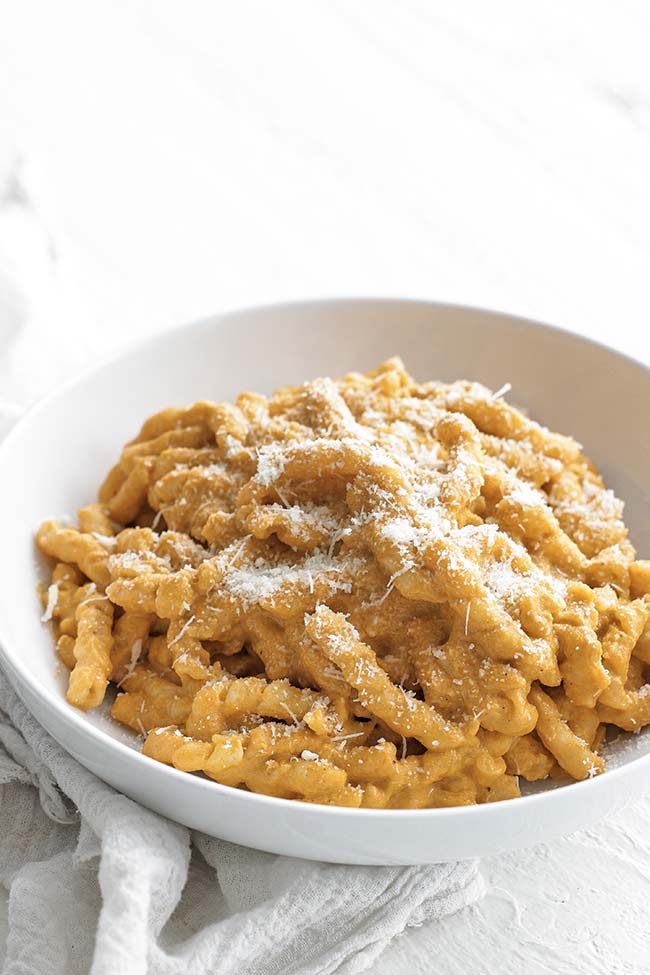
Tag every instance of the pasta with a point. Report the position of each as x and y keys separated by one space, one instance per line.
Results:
x=366 y=593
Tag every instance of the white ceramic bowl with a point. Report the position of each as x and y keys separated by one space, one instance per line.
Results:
x=54 y=460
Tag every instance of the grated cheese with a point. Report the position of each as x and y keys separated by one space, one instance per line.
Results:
x=108 y=541
x=502 y=390
x=181 y=633
x=136 y=650
x=52 y=597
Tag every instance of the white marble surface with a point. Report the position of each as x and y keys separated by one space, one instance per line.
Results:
x=159 y=161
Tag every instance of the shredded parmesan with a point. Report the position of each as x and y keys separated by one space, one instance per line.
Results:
x=109 y=541
x=136 y=650
x=502 y=390
x=52 y=597
x=181 y=633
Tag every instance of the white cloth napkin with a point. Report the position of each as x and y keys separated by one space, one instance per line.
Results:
x=99 y=884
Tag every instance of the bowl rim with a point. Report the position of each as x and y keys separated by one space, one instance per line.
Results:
x=14 y=663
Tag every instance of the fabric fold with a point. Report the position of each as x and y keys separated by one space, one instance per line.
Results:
x=144 y=910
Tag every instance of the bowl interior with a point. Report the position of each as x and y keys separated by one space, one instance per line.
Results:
x=55 y=460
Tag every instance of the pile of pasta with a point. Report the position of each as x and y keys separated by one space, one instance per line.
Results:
x=365 y=592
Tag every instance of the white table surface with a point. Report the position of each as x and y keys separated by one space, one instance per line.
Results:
x=160 y=161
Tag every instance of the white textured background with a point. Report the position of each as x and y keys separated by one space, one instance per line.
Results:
x=160 y=161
